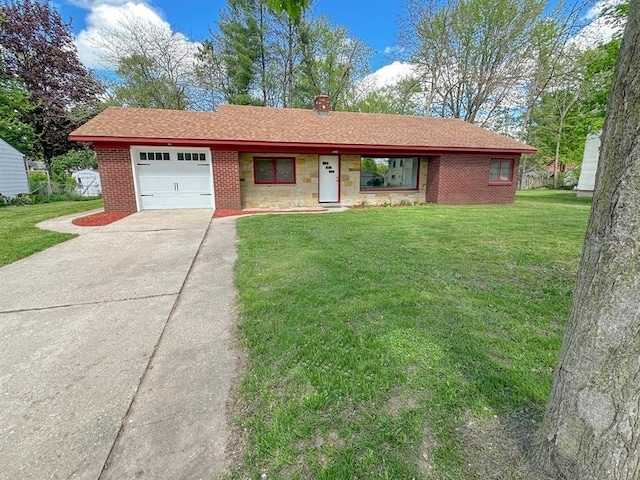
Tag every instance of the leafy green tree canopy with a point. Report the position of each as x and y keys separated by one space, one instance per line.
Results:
x=73 y=160
x=294 y=8
x=14 y=106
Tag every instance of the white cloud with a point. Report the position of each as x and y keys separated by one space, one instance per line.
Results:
x=393 y=50
x=109 y=15
x=598 y=30
x=89 y=4
x=389 y=75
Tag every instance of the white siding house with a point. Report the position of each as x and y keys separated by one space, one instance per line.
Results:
x=587 y=179
x=13 y=173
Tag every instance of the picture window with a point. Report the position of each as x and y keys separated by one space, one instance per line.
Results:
x=389 y=173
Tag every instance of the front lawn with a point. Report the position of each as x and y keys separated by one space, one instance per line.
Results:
x=19 y=237
x=403 y=342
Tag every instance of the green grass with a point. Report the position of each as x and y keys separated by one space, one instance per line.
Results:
x=366 y=329
x=19 y=237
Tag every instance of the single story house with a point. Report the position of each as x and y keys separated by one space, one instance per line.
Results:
x=244 y=157
x=587 y=180
x=13 y=171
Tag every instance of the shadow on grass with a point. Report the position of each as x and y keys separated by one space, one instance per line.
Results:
x=484 y=412
x=385 y=344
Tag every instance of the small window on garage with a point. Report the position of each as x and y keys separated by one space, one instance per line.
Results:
x=154 y=156
x=274 y=170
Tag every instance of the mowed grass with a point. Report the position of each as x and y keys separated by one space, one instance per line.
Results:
x=377 y=337
x=19 y=237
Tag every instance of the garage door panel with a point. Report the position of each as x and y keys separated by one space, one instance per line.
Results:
x=193 y=184
x=165 y=201
x=174 y=183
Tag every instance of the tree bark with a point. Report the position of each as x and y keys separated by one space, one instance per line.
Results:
x=591 y=428
x=556 y=158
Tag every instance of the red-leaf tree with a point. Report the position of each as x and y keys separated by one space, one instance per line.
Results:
x=36 y=46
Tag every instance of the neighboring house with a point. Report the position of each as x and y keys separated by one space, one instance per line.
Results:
x=587 y=179
x=369 y=178
x=13 y=171
x=531 y=178
x=243 y=157
x=569 y=174
x=88 y=182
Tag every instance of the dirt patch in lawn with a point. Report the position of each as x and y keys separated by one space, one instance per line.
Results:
x=99 y=219
x=429 y=445
x=401 y=403
x=496 y=447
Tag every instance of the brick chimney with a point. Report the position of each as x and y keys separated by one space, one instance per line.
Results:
x=321 y=104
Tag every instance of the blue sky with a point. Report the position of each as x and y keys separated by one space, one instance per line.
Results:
x=374 y=21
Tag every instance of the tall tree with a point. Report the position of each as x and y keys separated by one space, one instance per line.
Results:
x=402 y=98
x=286 y=47
x=332 y=62
x=558 y=125
x=590 y=430
x=261 y=57
x=211 y=76
x=37 y=47
x=154 y=65
x=239 y=46
x=600 y=64
x=472 y=53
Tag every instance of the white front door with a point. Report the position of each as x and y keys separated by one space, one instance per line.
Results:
x=329 y=178
x=173 y=178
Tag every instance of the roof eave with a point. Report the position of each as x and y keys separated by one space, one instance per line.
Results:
x=297 y=147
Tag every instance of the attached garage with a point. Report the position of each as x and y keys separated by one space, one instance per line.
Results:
x=172 y=177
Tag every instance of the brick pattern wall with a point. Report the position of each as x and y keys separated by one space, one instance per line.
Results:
x=433 y=180
x=226 y=180
x=116 y=177
x=464 y=179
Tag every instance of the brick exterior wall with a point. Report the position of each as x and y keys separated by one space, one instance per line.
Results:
x=116 y=177
x=433 y=179
x=448 y=179
x=226 y=180
x=464 y=179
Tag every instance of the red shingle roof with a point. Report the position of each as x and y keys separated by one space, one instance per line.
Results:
x=242 y=125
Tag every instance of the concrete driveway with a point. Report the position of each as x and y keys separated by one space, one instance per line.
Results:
x=117 y=353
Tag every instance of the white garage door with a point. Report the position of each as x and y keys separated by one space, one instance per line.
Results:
x=173 y=178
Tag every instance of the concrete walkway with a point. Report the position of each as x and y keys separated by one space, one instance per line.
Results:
x=117 y=353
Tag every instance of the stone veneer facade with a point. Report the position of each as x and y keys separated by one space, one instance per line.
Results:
x=305 y=191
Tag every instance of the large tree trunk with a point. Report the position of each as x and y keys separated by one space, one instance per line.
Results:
x=556 y=158
x=591 y=429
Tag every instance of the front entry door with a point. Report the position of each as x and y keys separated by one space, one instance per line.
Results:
x=329 y=178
